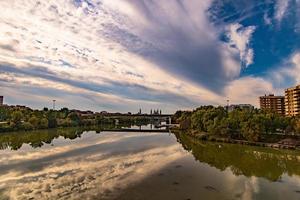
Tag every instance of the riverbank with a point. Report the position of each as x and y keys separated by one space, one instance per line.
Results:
x=286 y=143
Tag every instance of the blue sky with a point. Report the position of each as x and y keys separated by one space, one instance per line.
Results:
x=122 y=55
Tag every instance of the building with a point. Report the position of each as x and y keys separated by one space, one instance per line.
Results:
x=1 y=100
x=272 y=103
x=292 y=101
x=233 y=107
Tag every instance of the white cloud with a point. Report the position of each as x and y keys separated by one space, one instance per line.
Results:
x=281 y=9
x=240 y=38
x=248 y=89
x=104 y=55
x=288 y=72
x=96 y=51
x=267 y=19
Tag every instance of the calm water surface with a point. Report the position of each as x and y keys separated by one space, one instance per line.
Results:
x=73 y=164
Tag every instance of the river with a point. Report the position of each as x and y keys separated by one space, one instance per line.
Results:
x=78 y=164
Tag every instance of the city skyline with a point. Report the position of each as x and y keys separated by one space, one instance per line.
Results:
x=131 y=54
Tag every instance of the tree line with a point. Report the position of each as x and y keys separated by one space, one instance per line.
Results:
x=247 y=124
x=16 y=118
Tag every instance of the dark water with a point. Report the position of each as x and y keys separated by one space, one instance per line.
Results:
x=73 y=164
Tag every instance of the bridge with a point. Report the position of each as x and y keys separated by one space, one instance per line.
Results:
x=137 y=115
x=161 y=117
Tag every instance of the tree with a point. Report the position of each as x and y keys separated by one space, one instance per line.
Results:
x=27 y=126
x=34 y=121
x=65 y=111
x=44 y=123
x=197 y=120
x=4 y=113
x=297 y=126
x=252 y=129
x=16 y=117
x=52 y=122
x=75 y=118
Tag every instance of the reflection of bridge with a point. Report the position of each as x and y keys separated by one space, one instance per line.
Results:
x=138 y=130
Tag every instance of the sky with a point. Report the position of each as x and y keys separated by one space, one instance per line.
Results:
x=122 y=55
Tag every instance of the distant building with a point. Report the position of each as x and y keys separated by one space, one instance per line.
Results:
x=292 y=101
x=157 y=112
x=87 y=113
x=104 y=113
x=272 y=103
x=1 y=100
x=233 y=107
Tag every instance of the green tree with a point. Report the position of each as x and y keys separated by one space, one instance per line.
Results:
x=16 y=117
x=252 y=129
x=34 y=121
x=52 y=121
x=44 y=123
x=27 y=126
x=75 y=118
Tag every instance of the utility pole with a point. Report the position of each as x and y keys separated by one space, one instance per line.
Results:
x=54 y=104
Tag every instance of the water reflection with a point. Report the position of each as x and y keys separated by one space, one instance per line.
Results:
x=79 y=164
x=35 y=139
x=91 y=166
x=244 y=160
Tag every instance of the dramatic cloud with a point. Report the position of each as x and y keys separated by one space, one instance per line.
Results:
x=182 y=42
x=240 y=38
x=123 y=55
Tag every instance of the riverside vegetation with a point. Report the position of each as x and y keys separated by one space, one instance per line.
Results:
x=254 y=125
x=20 y=119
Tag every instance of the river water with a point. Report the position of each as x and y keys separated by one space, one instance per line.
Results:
x=77 y=164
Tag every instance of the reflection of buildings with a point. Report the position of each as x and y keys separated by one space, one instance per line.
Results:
x=1 y=100
x=272 y=103
x=233 y=107
x=292 y=101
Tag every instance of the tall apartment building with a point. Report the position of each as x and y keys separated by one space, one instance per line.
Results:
x=1 y=100
x=272 y=103
x=292 y=101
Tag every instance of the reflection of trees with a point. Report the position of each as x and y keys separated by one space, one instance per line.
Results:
x=37 y=139
x=244 y=160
